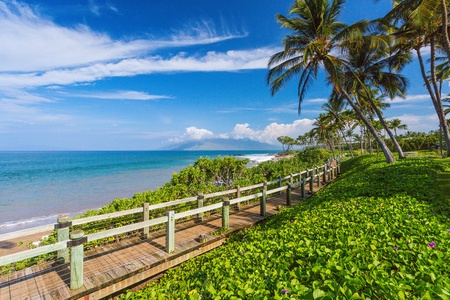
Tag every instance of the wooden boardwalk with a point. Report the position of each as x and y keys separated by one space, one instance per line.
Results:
x=116 y=266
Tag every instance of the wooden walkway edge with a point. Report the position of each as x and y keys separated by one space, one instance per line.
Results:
x=115 y=267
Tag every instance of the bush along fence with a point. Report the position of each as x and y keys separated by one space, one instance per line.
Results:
x=70 y=243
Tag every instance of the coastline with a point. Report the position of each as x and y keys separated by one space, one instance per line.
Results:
x=21 y=244
x=39 y=186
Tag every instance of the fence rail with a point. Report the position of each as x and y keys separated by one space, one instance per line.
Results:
x=77 y=237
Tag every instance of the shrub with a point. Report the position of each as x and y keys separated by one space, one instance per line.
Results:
x=314 y=156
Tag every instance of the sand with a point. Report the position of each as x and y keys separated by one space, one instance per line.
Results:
x=12 y=246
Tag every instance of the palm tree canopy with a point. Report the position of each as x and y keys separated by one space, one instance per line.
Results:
x=316 y=32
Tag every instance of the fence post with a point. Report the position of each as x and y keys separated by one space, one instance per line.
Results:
x=318 y=177
x=303 y=189
x=226 y=214
x=200 y=199
x=146 y=217
x=238 y=195
x=280 y=183
x=262 y=207
x=324 y=175
x=288 y=195
x=311 y=180
x=339 y=168
x=291 y=178
x=329 y=170
x=170 y=231
x=63 y=235
x=76 y=259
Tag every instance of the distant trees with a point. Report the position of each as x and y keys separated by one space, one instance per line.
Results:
x=287 y=142
x=396 y=124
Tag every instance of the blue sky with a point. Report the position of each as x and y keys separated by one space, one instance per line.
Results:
x=137 y=75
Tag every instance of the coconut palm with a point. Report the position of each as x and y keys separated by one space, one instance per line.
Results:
x=325 y=131
x=429 y=15
x=396 y=124
x=317 y=39
x=335 y=111
x=378 y=68
x=417 y=31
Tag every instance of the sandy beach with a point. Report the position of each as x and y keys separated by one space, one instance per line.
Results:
x=20 y=244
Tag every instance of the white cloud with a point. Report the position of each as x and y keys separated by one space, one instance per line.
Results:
x=419 y=123
x=14 y=115
x=123 y=95
x=317 y=100
x=211 y=62
x=19 y=108
x=243 y=131
x=272 y=131
x=94 y=8
x=410 y=98
x=31 y=42
x=193 y=133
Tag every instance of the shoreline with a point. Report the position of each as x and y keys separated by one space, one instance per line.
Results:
x=11 y=246
x=74 y=203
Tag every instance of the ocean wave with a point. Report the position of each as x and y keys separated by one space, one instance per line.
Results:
x=22 y=224
x=258 y=158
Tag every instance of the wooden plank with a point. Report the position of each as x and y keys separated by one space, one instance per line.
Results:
x=11 y=258
x=222 y=193
x=38 y=278
x=249 y=197
x=4 y=288
x=14 y=291
x=198 y=210
x=251 y=187
x=172 y=203
x=124 y=229
x=26 y=232
x=107 y=216
x=62 y=292
x=33 y=290
x=269 y=192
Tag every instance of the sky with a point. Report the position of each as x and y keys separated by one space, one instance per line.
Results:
x=141 y=75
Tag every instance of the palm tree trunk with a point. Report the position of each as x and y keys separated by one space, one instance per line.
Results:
x=387 y=153
x=389 y=132
x=445 y=36
x=434 y=96
x=348 y=144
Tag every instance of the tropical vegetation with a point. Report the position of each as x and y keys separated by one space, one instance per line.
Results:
x=204 y=176
x=355 y=239
x=363 y=64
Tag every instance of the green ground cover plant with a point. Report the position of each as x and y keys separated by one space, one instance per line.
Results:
x=378 y=232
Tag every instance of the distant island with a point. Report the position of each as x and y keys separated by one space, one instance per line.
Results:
x=222 y=144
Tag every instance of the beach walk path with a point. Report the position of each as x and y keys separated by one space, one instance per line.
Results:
x=129 y=262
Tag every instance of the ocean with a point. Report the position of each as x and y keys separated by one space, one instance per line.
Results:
x=36 y=187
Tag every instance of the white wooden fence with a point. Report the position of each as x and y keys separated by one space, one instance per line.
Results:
x=76 y=239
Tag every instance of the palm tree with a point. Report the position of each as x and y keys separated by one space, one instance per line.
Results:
x=325 y=131
x=429 y=15
x=378 y=68
x=316 y=40
x=396 y=124
x=422 y=25
x=335 y=111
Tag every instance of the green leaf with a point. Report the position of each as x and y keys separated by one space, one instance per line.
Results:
x=318 y=293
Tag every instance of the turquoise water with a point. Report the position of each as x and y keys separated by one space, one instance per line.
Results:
x=36 y=187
